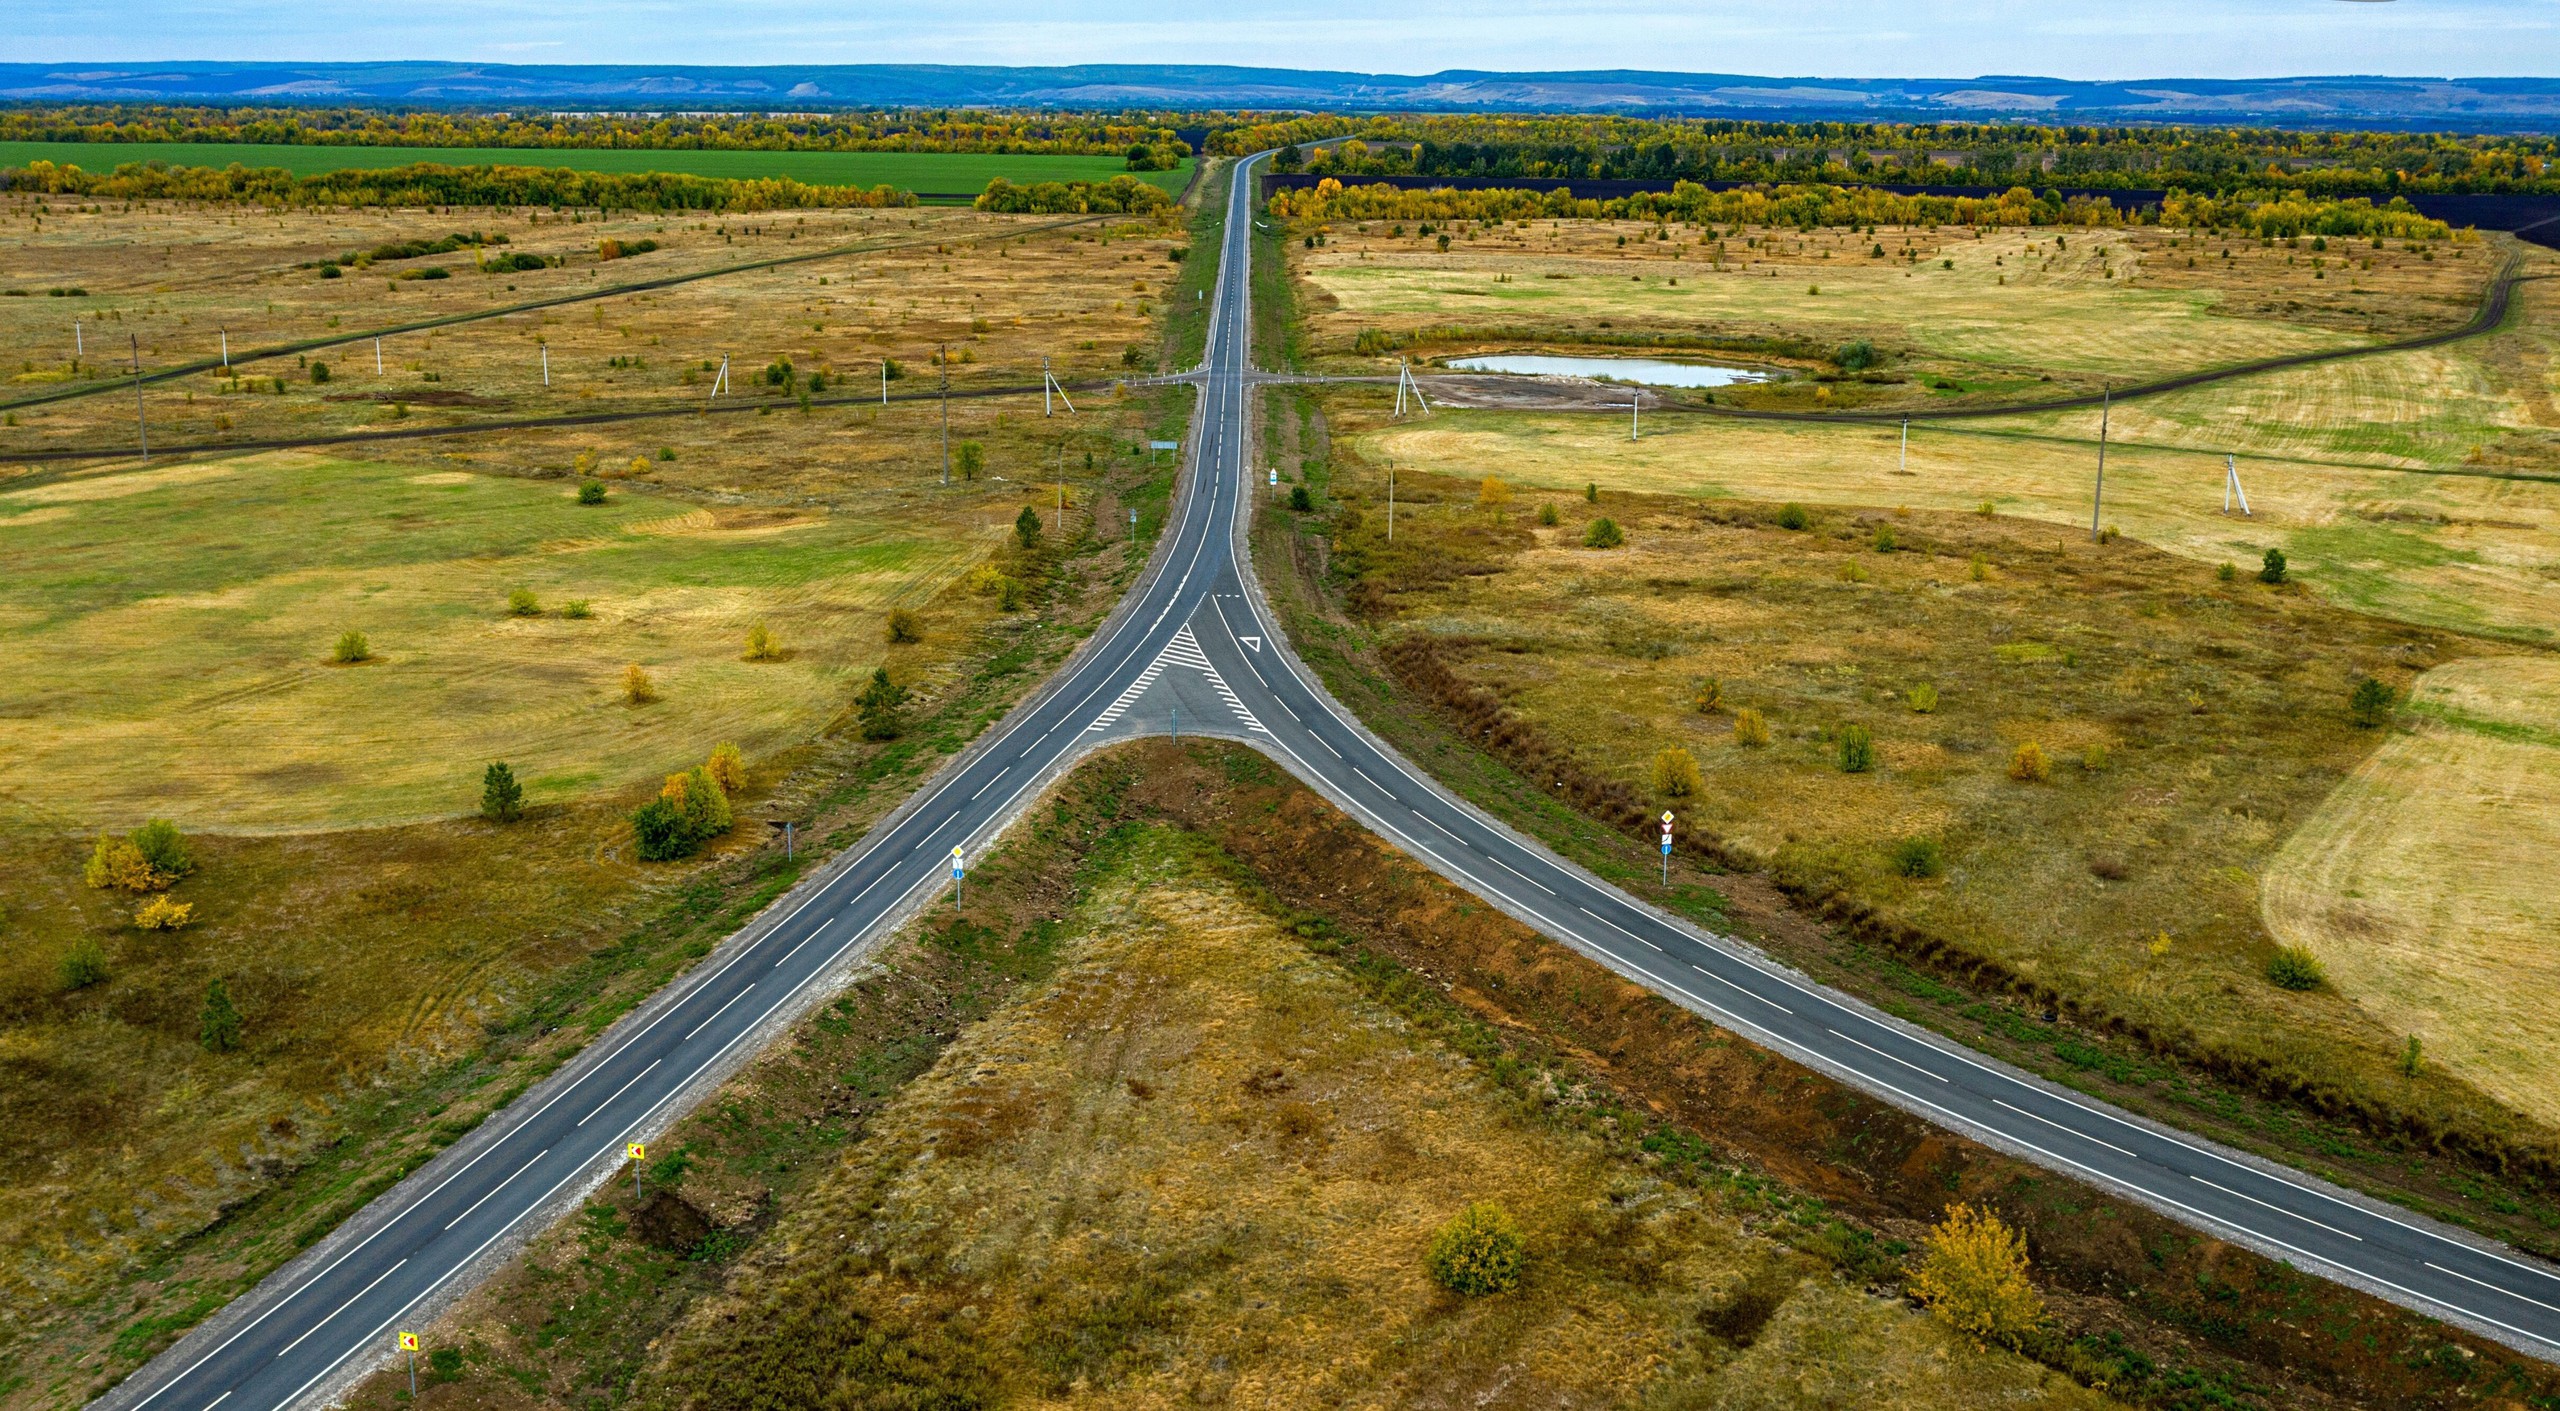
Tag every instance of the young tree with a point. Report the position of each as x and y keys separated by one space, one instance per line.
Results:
x=1857 y=749
x=905 y=626
x=83 y=965
x=117 y=863
x=1602 y=533
x=1300 y=500
x=1749 y=728
x=970 y=458
x=1973 y=1275
x=1026 y=528
x=1481 y=1251
x=2028 y=764
x=592 y=493
x=352 y=647
x=2271 y=569
x=637 y=688
x=658 y=832
x=218 y=1026
x=728 y=768
x=2371 y=703
x=880 y=707
x=761 y=645
x=700 y=802
x=1492 y=493
x=501 y=797
x=164 y=848
x=522 y=603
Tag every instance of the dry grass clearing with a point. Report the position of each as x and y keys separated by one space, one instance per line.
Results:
x=2423 y=883
x=1200 y=1165
x=168 y=635
x=2005 y=306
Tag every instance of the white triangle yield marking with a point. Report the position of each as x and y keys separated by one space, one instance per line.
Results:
x=1253 y=642
x=1183 y=650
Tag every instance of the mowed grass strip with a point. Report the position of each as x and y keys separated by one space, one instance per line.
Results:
x=167 y=636
x=2423 y=886
x=1199 y=1165
x=938 y=172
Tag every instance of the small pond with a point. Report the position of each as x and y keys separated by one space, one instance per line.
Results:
x=1653 y=372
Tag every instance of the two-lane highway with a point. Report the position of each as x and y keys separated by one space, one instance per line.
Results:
x=1196 y=648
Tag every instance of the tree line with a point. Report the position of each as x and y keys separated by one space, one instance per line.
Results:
x=431 y=184
x=2269 y=214
x=1119 y=194
x=1608 y=147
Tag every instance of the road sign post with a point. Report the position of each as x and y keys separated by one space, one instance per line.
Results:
x=958 y=878
x=637 y=1152
x=1666 y=847
x=409 y=1345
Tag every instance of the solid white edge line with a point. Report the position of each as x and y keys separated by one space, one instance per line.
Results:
x=493 y=1190
x=617 y=1092
x=1871 y=1048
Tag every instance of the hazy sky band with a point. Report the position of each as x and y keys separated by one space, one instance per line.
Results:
x=1842 y=38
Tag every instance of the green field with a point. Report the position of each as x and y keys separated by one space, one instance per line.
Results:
x=927 y=173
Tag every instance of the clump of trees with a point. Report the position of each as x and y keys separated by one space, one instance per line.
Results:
x=151 y=858
x=881 y=707
x=1973 y=1276
x=433 y=184
x=690 y=809
x=1479 y=1252
x=1119 y=195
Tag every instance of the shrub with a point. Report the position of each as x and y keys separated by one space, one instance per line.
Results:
x=1547 y=515
x=658 y=832
x=1492 y=493
x=880 y=706
x=1924 y=699
x=1749 y=729
x=905 y=626
x=1480 y=1252
x=592 y=493
x=522 y=603
x=1026 y=528
x=2371 y=703
x=2028 y=765
x=1675 y=774
x=1300 y=500
x=164 y=914
x=1980 y=569
x=728 y=768
x=761 y=645
x=218 y=1023
x=1973 y=1275
x=2271 y=569
x=164 y=848
x=1602 y=533
x=319 y=372
x=1591 y=492
x=970 y=457
x=501 y=797
x=1791 y=516
x=668 y=453
x=332 y=272
x=83 y=965
x=1919 y=857
x=2093 y=758
x=577 y=608
x=2228 y=572
x=1857 y=749
x=2293 y=968
x=2411 y=1059
x=700 y=800
x=637 y=688
x=116 y=863
x=1986 y=509
x=1709 y=697
x=1885 y=542
x=1854 y=356
x=1854 y=572
x=1008 y=595
x=353 y=647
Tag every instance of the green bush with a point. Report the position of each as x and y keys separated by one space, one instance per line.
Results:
x=1919 y=857
x=218 y=1025
x=1026 y=528
x=352 y=647
x=2371 y=703
x=970 y=457
x=1547 y=515
x=164 y=848
x=1924 y=699
x=2228 y=573
x=591 y=493
x=2293 y=968
x=1602 y=533
x=501 y=797
x=83 y=965
x=522 y=603
x=578 y=608
x=1791 y=516
x=2272 y=568
x=319 y=372
x=1885 y=542
x=1857 y=750
x=658 y=831
x=1300 y=500
x=905 y=626
x=880 y=706
x=1480 y=1252
x=1591 y=492
x=1857 y=355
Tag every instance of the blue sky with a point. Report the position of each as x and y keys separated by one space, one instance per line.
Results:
x=1846 y=38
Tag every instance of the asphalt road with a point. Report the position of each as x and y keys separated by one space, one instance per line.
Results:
x=1195 y=651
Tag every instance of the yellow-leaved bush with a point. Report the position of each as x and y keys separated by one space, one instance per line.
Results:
x=1973 y=1275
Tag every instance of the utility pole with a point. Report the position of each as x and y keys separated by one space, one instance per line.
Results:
x=1391 y=504
x=884 y=382
x=943 y=361
x=79 y=349
x=140 y=424
x=1044 y=385
x=2097 y=501
x=226 y=350
x=377 y=357
x=1905 y=467
x=1635 y=417
x=2231 y=487
x=546 y=367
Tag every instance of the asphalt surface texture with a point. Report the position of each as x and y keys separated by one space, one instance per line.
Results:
x=1194 y=651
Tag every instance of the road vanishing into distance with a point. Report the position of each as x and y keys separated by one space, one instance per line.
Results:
x=1195 y=650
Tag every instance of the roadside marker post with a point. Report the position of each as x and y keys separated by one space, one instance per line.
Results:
x=409 y=1344
x=635 y=1152
x=1666 y=847
x=959 y=878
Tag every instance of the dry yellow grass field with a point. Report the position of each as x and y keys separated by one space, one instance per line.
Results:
x=1198 y=1165
x=2424 y=882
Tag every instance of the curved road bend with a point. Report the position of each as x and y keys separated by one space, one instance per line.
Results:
x=1195 y=648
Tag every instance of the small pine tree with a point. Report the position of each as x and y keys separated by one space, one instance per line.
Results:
x=1885 y=541
x=2272 y=569
x=1857 y=749
x=2028 y=764
x=218 y=1026
x=1792 y=516
x=501 y=797
x=1026 y=528
x=1300 y=500
x=1602 y=533
x=1708 y=698
x=1547 y=515
x=2371 y=703
x=1919 y=858
x=592 y=493
x=164 y=848
x=522 y=603
x=881 y=707
x=2228 y=572
x=83 y=965
x=1973 y=1275
x=1481 y=1251
x=2293 y=968
x=1591 y=492
x=2411 y=1059
x=1675 y=774
x=1924 y=699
